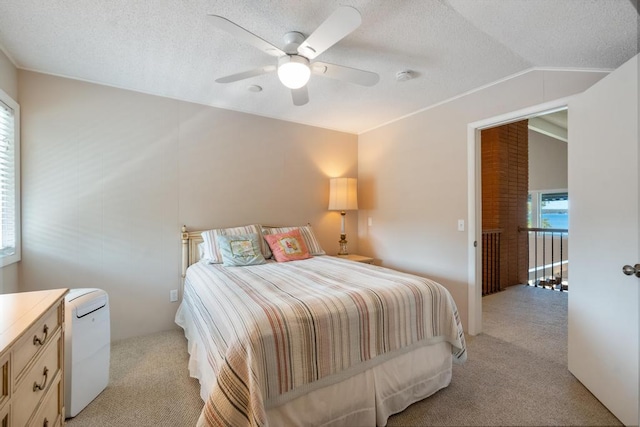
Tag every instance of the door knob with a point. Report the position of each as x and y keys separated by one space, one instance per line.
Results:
x=630 y=271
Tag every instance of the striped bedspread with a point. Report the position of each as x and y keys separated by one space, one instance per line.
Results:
x=276 y=330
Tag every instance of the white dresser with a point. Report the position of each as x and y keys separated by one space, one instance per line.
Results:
x=32 y=359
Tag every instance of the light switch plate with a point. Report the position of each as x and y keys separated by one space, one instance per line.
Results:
x=461 y=225
x=173 y=295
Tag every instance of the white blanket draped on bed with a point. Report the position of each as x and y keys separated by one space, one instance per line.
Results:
x=278 y=330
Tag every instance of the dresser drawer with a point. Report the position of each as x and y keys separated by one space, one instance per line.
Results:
x=5 y=420
x=5 y=381
x=50 y=412
x=34 y=341
x=38 y=380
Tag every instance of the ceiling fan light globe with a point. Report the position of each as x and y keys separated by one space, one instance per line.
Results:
x=294 y=71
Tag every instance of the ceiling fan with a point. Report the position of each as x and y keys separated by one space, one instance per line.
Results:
x=294 y=60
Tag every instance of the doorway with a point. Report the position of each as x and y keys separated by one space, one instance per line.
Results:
x=474 y=200
x=524 y=198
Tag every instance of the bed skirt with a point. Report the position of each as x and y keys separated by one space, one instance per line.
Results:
x=367 y=398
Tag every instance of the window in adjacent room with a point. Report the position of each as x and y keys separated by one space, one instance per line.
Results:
x=548 y=209
x=9 y=180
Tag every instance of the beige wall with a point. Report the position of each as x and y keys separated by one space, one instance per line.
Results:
x=413 y=177
x=9 y=84
x=547 y=162
x=8 y=76
x=109 y=176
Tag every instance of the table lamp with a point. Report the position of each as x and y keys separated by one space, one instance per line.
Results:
x=343 y=196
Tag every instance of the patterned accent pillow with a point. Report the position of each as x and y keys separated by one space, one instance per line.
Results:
x=211 y=250
x=288 y=246
x=240 y=249
x=307 y=235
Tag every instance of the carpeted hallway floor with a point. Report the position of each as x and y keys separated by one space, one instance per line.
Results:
x=516 y=375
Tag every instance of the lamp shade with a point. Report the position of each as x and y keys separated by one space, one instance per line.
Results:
x=343 y=194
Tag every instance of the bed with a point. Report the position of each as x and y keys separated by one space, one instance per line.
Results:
x=317 y=341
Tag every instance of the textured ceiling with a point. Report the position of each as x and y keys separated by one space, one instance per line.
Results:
x=170 y=48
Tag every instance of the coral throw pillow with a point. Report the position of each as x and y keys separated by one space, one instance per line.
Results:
x=288 y=246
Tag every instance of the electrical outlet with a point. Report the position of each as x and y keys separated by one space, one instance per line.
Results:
x=173 y=295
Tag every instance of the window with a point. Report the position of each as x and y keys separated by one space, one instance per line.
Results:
x=9 y=180
x=548 y=209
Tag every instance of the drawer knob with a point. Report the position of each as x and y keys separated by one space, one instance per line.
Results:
x=38 y=341
x=37 y=386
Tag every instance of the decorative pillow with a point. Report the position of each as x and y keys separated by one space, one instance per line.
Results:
x=307 y=235
x=240 y=249
x=211 y=251
x=288 y=246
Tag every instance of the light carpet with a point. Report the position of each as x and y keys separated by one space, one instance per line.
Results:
x=516 y=375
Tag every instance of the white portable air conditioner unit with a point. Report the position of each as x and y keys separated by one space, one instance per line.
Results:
x=87 y=347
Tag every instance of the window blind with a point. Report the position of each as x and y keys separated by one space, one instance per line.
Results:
x=551 y=197
x=7 y=181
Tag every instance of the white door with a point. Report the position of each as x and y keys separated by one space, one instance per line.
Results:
x=604 y=236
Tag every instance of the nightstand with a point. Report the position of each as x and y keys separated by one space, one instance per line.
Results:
x=357 y=258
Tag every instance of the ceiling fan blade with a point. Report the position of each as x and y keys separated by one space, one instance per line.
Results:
x=340 y=23
x=300 y=96
x=247 y=74
x=347 y=74
x=246 y=36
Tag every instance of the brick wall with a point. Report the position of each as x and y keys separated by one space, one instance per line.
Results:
x=505 y=186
